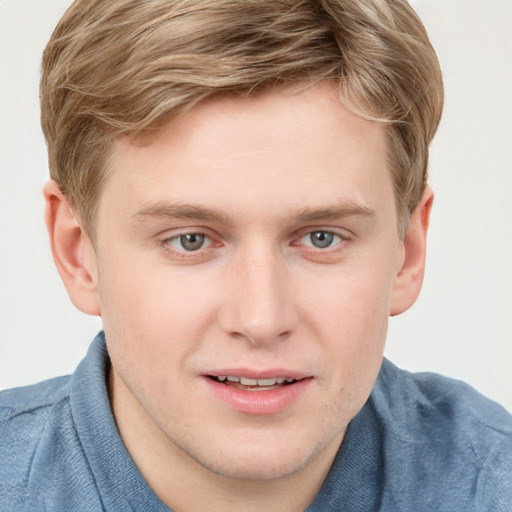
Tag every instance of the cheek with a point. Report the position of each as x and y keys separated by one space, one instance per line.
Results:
x=352 y=321
x=357 y=335
x=354 y=303
x=153 y=316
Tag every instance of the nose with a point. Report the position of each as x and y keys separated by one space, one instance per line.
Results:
x=259 y=303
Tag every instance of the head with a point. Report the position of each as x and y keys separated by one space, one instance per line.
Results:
x=127 y=68
x=240 y=190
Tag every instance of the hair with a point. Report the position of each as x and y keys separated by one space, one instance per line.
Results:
x=131 y=66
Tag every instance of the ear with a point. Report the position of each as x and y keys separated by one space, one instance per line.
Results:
x=409 y=278
x=72 y=251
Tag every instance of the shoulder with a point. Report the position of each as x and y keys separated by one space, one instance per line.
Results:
x=28 y=399
x=31 y=422
x=447 y=439
x=26 y=410
x=438 y=400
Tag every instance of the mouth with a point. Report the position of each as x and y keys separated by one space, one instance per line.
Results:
x=250 y=384
x=258 y=392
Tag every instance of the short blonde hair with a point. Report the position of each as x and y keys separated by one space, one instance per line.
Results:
x=128 y=66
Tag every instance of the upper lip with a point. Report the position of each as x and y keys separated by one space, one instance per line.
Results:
x=249 y=373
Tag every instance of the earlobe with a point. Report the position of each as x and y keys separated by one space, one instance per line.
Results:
x=409 y=278
x=72 y=251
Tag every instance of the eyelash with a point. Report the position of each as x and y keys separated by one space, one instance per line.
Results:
x=334 y=234
x=167 y=243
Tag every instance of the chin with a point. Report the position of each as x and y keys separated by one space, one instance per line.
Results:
x=259 y=460
x=262 y=469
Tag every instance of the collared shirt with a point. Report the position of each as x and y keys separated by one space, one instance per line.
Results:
x=421 y=443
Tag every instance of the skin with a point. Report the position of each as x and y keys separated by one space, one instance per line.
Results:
x=256 y=177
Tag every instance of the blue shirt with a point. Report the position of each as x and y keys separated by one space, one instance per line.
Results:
x=421 y=443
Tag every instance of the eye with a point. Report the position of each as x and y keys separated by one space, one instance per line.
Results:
x=189 y=242
x=321 y=239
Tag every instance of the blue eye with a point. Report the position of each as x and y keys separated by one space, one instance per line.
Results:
x=189 y=242
x=321 y=239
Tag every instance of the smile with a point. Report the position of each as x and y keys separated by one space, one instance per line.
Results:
x=250 y=384
x=259 y=396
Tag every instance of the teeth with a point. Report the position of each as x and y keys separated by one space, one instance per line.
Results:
x=248 y=382
x=245 y=381
x=266 y=382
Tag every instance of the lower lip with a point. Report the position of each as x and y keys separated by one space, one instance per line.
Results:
x=263 y=402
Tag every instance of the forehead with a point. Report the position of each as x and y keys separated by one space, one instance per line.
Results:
x=304 y=113
x=295 y=148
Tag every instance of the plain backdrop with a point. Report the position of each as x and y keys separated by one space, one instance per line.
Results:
x=462 y=324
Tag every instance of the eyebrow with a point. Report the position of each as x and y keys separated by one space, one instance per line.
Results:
x=348 y=209
x=182 y=211
x=187 y=211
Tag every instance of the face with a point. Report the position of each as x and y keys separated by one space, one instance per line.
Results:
x=245 y=262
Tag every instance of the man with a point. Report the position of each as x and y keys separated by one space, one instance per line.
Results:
x=239 y=191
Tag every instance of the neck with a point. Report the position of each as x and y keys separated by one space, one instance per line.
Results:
x=175 y=477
